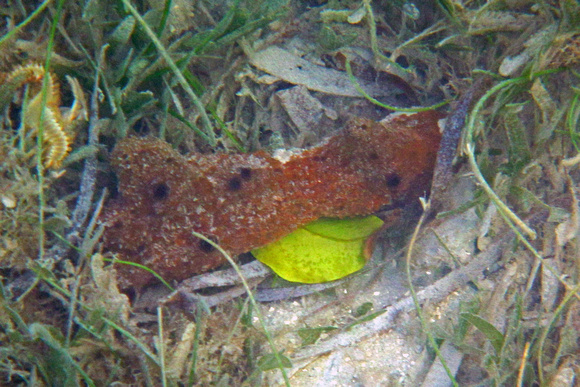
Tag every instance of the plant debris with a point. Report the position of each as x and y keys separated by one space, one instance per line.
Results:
x=478 y=301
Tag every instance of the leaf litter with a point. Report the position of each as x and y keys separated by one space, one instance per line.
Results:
x=65 y=313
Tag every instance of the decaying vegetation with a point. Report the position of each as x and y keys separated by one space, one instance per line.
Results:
x=494 y=278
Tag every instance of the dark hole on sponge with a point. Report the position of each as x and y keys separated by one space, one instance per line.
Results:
x=393 y=180
x=205 y=246
x=235 y=184
x=118 y=224
x=160 y=191
x=246 y=173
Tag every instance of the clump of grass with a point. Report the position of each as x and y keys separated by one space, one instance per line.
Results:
x=63 y=319
x=519 y=118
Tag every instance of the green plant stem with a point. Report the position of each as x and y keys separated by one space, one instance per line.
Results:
x=417 y=38
x=107 y=321
x=153 y=272
x=511 y=219
x=416 y=299
x=469 y=150
x=252 y=300
x=40 y=136
x=71 y=311
x=114 y=260
x=572 y=120
x=131 y=337
x=194 y=351
x=571 y=293
x=164 y=17
x=161 y=345
x=20 y=26
x=502 y=208
x=208 y=130
x=357 y=86
x=41 y=332
x=374 y=42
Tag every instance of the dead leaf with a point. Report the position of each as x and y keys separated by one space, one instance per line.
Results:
x=177 y=358
x=108 y=293
x=298 y=71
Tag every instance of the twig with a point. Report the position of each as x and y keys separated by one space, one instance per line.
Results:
x=448 y=147
x=416 y=301
x=437 y=375
x=253 y=301
x=227 y=277
x=286 y=293
x=88 y=178
x=433 y=293
x=191 y=302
